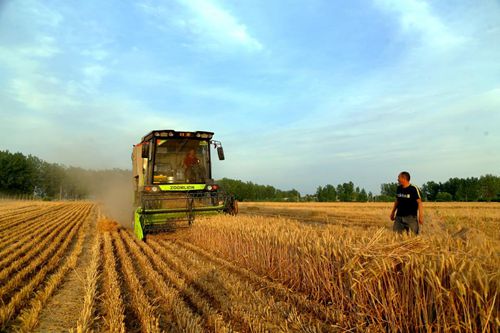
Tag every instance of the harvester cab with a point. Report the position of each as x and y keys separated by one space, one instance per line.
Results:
x=173 y=180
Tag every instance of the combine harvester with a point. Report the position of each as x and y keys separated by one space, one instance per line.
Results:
x=173 y=180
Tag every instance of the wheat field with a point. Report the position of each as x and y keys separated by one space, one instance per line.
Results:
x=276 y=267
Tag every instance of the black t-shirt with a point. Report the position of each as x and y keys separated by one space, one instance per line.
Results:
x=407 y=200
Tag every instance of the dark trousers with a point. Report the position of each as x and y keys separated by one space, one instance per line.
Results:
x=406 y=223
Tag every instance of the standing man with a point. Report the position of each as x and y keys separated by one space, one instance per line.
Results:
x=408 y=203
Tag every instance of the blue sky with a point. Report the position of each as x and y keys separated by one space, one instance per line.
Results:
x=301 y=93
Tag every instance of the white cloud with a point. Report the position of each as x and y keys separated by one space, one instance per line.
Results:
x=219 y=24
x=209 y=23
x=415 y=16
x=98 y=54
x=29 y=92
x=93 y=75
x=43 y=47
x=42 y=13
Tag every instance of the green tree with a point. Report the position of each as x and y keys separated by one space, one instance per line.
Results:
x=345 y=191
x=250 y=191
x=327 y=193
x=468 y=190
x=362 y=196
x=444 y=196
x=51 y=180
x=430 y=190
x=18 y=173
x=389 y=190
x=489 y=187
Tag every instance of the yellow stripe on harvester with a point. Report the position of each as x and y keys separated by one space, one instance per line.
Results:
x=182 y=187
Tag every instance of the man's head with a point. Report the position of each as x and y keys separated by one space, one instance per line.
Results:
x=404 y=178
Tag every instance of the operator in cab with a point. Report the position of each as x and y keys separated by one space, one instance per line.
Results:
x=192 y=167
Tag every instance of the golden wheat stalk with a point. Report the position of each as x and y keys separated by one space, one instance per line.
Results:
x=374 y=277
x=86 y=320
x=180 y=315
x=21 y=296
x=26 y=232
x=212 y=320
x=45 y=250
x=113 y=301
x=15 y=258
x=28 y=319
x=143 y=308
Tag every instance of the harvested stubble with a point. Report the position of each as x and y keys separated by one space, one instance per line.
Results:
x=44 y=273
x=378 y=281
x=114 y=317
x=140 y=302
x=29 y=317
x=178 y=315
x=87 y=316
x=41 y=252
x=13 y=211
x=212 y=320
x=22 y=220
x=14 y=257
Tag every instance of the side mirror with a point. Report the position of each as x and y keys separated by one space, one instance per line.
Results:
x=220 y=152
x=145 y=150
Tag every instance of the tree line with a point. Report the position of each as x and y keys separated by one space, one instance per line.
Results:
x=249 y=191
x=484 y=188
x=342 y=192
x=20 y=174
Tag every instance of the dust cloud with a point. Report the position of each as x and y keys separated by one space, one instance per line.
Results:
x=115 y=193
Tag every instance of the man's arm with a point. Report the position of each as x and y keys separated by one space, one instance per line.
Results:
x=394 y=208
x=420 y=211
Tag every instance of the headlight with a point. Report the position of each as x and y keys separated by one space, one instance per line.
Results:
x=209 y=187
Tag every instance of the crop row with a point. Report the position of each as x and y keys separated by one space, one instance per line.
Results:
x=160 y=285
x=10 y=223
x=31 y=273
x=368 y=279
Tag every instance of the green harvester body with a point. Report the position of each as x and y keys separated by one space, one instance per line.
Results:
x=173 y=181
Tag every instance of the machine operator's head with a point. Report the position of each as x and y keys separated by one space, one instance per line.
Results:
x=404 y=178
x=192 y=152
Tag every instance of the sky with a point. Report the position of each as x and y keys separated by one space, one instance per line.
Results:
x=300 y=93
